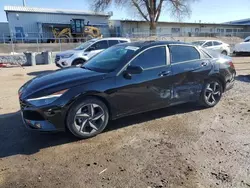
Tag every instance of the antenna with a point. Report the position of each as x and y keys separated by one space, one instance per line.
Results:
x=24 y=3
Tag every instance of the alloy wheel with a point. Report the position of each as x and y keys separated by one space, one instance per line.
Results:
x=212 y=92
x=89 y=118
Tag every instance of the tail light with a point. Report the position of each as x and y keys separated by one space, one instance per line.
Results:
x=231 y=64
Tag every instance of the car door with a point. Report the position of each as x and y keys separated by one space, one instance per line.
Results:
x=96 y=48
x=217 y=46
x=189 y=68
x=148 y=90
x=208 y=45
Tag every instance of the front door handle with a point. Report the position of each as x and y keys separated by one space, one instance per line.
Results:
x=164 y=73
x=203 y=64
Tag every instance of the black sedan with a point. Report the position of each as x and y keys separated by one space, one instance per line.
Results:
x=125 y=79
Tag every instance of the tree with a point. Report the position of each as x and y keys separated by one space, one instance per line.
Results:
x=150 y=10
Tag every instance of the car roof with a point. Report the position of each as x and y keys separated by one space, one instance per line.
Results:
x=146 y=44
x=114 y=38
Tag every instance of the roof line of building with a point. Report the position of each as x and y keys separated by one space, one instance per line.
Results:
x=181 y=22
x=52 y=11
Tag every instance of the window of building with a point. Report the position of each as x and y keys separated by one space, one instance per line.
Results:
x=183 y=53
x=175 y=30
x=229 y=30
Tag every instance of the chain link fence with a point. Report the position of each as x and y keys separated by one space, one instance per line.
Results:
x=11 y=44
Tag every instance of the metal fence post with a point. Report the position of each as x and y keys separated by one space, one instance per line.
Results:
x=37 y=45
x=60 y=45
x=12 y=45
x=3 y=38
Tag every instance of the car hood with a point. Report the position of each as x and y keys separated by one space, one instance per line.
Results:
x=58 y=80
x=69 y=52
x=242 y=47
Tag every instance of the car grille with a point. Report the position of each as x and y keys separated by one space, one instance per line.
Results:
x=23 y=105
x=57 y=58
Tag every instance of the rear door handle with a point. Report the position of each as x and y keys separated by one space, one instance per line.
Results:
x=164 y=73
x=203 y=64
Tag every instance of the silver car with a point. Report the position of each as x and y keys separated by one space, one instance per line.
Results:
x=85 y=51
x=215 y=45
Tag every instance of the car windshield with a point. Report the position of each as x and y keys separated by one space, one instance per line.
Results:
x=198 y=43
x=84 y=45
x=110 y=59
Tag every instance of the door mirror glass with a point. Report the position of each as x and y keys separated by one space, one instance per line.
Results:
x=134 y=70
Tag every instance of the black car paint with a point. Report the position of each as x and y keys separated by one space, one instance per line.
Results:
x=152 y=89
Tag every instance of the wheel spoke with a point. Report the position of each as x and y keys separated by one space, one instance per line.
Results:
x=217 y=93
x=83 y=125
x=209 y=90
x=209 y=96
x=98 y=116
x=83 y=115
x=91 y=110
x=92 y=124
x=212 y=96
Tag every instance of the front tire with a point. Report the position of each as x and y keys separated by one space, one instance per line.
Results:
x=78 y=62
x=211 y=93
x=87 y=118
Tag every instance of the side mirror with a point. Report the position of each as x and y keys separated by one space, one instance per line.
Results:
x=134 y=69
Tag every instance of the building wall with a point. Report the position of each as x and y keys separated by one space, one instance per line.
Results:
x=29 y=21
x=177 y=29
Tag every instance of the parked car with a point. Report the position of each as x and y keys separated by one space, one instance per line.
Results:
x=215 y=45
x=85 y=51
x=243 y=47
x=123 y=80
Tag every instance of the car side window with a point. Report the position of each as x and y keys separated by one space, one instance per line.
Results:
x=113 y=42
x=208 y=44
x=122 y=41
x=152 y=57
x=100 y=45
x=217 y=43
x=183 y=53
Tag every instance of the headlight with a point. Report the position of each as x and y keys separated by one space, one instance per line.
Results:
x=46 y=99
x=66 y=56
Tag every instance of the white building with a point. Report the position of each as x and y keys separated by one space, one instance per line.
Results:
x=30 y=22
x=124 y=27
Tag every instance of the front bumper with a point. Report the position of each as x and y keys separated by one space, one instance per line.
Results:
x=46 y=119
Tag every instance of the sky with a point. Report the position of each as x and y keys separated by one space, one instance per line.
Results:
x=209 y=11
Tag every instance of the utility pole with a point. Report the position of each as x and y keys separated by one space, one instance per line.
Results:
x=24 y=3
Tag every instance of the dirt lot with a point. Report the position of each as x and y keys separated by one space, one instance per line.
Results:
x=183 y=146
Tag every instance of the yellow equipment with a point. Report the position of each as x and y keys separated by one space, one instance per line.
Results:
x=77 y=31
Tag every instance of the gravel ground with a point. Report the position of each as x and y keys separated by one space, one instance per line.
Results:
x=182 y=146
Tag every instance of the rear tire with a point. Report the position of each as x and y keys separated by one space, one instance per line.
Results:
x=78 y=62
x=87 y=118
x=224 y=52
x=211 y=93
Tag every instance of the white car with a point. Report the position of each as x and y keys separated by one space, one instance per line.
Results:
x=215 y=45
x=85 y=51
x=243 y=46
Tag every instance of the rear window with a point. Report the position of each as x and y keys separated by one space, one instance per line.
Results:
x=113 y=42
x=183 y=53
x=216 y=43
x=122 y=41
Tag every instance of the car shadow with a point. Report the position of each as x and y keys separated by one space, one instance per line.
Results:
x=152 y=115
x=243 y=78
x=36 y=73
x=15 y=139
